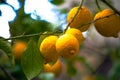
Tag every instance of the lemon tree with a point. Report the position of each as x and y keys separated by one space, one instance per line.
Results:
x=36 y=46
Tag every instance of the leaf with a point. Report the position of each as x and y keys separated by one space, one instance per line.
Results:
x=71 y=69
x=114 y=72
x=42 y=37
x=31 y=60
x=3 y=57
x=6 y=47
x=56 y=2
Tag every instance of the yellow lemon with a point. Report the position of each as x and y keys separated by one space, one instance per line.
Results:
x=67 y=46
x=107 y=23
x=48 y=49
x=56 y=68
x=82 y=18
x=18 y=49
x=77 y=33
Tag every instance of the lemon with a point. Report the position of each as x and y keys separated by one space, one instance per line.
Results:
x=67 y=46
x=107 y=23
x=56 y=68
x=18 y=49
x=48 y=49
x=77 y=33
x=82 y=18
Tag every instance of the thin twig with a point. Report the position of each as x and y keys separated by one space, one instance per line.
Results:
x=31 y=35
x=94 y=21
x=98 y=5
x=7 y=73
x=79 y=7
x=113 y=8
x=50 y=33
x=38 y=34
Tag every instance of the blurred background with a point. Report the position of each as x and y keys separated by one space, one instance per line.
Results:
x=99 y=56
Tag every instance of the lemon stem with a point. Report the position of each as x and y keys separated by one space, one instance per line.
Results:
x=98 y=5
x=79 y=7
x=113 y=8
x=94 y=21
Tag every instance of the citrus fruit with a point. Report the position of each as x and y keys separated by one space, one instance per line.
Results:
x=48 y=49
x=67 y=46
x=56 y=68
x=18 y=49
x=107 y=23
x=77 y=33
x=83 y=17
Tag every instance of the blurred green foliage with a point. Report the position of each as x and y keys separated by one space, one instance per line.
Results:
x=25 y=25
x=56 y=2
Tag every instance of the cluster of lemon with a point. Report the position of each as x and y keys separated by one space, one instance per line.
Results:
x=67 y=44
x=106 y=22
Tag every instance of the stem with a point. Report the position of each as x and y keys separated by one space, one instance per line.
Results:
x=79 y=7
x=50 y=33
x=30 y=35
x=98 y=5
x=6 y=73
x=94 y=21
x=113 y=8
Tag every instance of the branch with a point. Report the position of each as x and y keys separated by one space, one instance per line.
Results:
x=98 y=5
x=94 y=21
x=51 y=33
x=31 y=35
x=6 y=73
x=79 y=7
x=113 y=8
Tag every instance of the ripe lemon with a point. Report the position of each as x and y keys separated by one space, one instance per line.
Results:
x=77 y=33
x=48 y=49
x=56 y=68
x=67 y=46
x=18 y=49
x=107 y=23
x=83 y=17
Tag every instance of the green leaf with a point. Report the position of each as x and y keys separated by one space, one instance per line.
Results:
x=114 y=72
x=3 y=57
x=56 y=2
x=42 y=37
x=32 y=60
x=71 y=70
x=6 y=47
